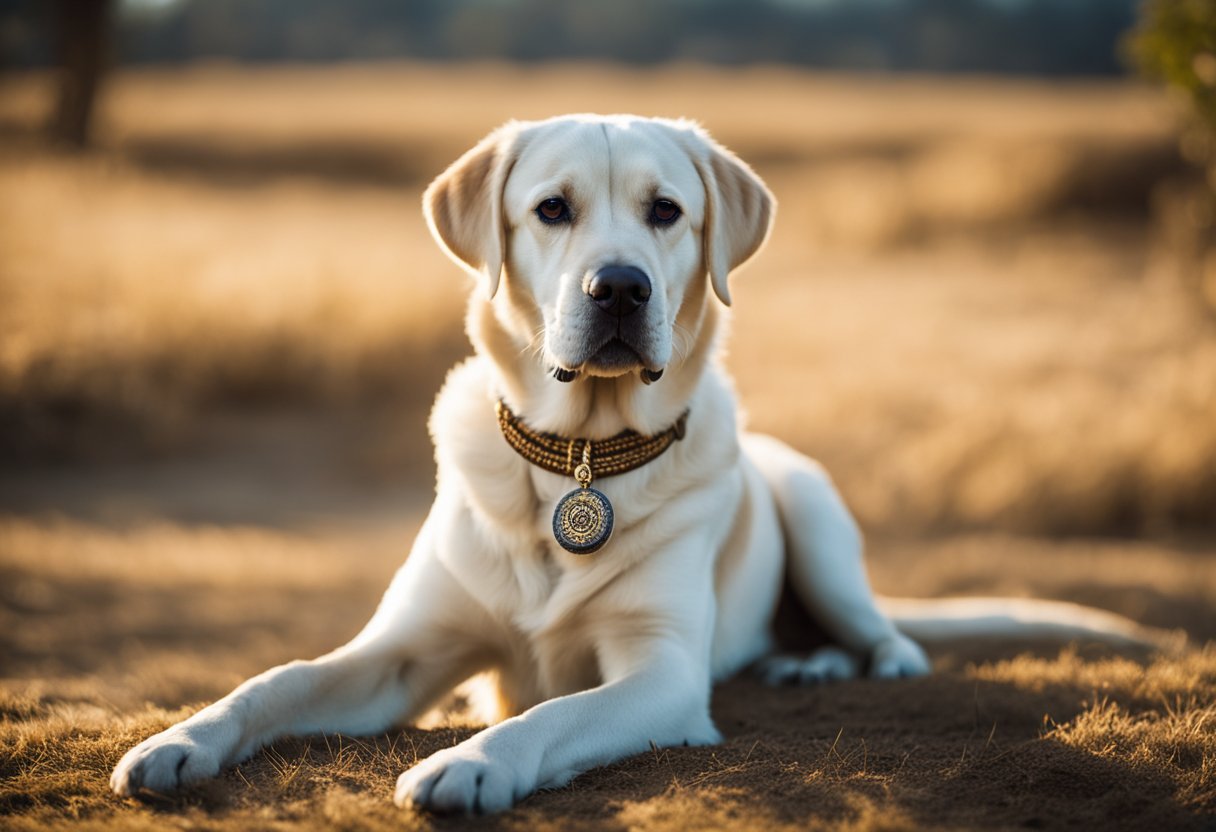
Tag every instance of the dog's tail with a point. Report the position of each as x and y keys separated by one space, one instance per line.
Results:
x=939 y=619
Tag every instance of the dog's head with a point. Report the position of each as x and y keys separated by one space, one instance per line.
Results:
x=603 y=231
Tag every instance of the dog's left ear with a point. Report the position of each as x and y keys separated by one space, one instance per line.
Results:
x=463 y=207
x=738 y=212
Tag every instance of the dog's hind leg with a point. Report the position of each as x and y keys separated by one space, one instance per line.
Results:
x=826 y=570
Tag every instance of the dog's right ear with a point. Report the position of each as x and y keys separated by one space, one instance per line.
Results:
x=463 y=207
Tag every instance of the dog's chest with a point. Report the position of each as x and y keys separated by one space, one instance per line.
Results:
x=555 y=662
x=544 y=640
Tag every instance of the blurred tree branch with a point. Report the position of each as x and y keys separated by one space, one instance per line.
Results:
x=1175 y=42
x=82 y=52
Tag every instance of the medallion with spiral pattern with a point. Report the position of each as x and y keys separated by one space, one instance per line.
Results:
x=582 y=521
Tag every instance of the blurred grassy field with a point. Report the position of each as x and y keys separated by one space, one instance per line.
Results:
x=962 y=292
x=220 y=333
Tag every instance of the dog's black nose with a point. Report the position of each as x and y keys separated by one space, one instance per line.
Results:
x=619 y=290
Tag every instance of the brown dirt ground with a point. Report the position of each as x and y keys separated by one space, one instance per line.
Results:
x=111 y=632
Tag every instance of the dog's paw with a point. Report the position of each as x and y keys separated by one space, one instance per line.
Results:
x=827 y=664
x=162 y=764
x=898 y=657
x=461 y=781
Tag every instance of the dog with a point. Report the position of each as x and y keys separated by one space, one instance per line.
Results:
x=606 y=542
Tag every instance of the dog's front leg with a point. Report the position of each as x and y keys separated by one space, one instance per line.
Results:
x=650 y=629
x=408 y=653
x=664 y=702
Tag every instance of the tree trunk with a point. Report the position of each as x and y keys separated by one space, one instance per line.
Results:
x=82 y=51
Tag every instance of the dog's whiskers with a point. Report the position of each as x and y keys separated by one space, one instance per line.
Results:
x=536 y=349
x=681 y=342
x=536 y=345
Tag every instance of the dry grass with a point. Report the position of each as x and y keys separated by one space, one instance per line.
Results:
x=109 y=634
x=129 y=301
x=220 y=333
x=1180 y=742
x=1002 y=353
x=793 y=759
x=1159 y=720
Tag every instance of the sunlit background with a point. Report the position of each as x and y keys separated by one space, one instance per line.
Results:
x=989 y=304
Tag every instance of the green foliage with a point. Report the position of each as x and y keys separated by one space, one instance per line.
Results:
x=1175 y=42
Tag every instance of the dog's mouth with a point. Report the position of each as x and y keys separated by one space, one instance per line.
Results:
x=615 y=357
x=607 y=353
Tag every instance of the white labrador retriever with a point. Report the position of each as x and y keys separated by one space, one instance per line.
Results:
x=599 y=244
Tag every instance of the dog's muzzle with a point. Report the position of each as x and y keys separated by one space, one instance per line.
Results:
x=619 y=292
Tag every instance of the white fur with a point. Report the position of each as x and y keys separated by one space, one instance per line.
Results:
x=596 y=657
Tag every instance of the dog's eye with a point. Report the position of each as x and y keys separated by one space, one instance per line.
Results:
x=553 y=210
x=664 y=212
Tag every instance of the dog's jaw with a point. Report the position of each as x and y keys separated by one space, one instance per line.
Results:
x=583 y=339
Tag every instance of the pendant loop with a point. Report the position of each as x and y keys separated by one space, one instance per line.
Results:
x=582 y=471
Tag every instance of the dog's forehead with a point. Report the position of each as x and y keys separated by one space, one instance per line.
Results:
x=635 y=158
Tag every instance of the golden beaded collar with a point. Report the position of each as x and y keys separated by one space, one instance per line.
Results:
x=605 y=457
x=582 y=521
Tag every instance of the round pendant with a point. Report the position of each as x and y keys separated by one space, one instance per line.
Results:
x=582 y=521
